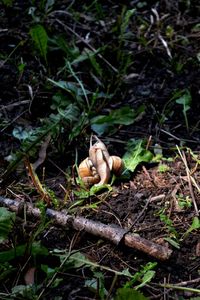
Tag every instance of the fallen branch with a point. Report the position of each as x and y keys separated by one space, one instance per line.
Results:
x=114 y=234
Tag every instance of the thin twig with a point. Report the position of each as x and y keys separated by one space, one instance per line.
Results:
x=114 y=234
x=177 y=138
x=183 y=157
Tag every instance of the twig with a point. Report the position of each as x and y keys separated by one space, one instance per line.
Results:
x=182 y=288
x=36 y=182
x=42 y=153
x=189 y=282
x=115 y=234
x=183 y=157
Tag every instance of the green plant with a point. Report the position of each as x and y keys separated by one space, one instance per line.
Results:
x=184 y=202
x=162 y=168
x=144 y=275
x=14 y=260
x=129 y=294
x=194 y=226
x=40 y=9
x=97 y=284
x=77 y=260
x=7 y=219
x=168 y=109
x=173 y=237
x=40 y=38
x=7 y=2
x=136 y=153
x=52 y=125
x=122 y=116
x=185 y=100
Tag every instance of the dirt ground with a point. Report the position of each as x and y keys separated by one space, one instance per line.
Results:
x=149 y=202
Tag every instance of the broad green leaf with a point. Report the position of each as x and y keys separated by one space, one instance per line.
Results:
x=141 y=275
x=129 y=294
x=36 y=249
x=195 y=225
x=70 y=113
x=75 y=260
x=136 y=154
x=146 y=278
x=84 y=194
x=6 y=222
x=40 y=38
x=101 y=128
x=24 y=292
x=95 y=189
x=185 y=100
x=49 y=271
x=121 y=116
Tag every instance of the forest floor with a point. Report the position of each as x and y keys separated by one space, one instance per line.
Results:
x=129 y=73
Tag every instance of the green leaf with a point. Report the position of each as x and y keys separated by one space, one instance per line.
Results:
x=49 y=271
x=121 y=116
x=125 y=21
x=136 y=154
x=195 y=225
x=6 y=222
x=35 y=249
x=185 y=100
x=75 y=260
x=146 y=278
x=40 y=38
x=129 y=294
x=24 y=292
x=96 y=189
x=142 y=275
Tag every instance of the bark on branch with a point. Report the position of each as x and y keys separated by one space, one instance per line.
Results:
x=115 y=234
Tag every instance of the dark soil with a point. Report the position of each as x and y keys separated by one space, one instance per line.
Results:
x=151 y=79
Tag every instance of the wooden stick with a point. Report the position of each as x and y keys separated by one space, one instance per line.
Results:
x=114 y=233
